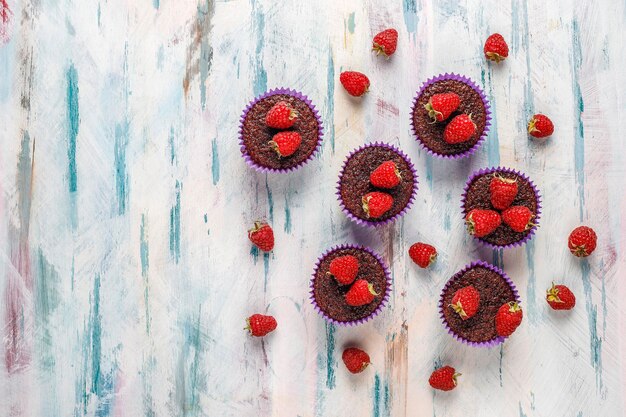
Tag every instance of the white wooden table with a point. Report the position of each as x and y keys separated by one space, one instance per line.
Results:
x=126 y=273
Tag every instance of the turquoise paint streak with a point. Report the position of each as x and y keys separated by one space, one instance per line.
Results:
x=121 y=175
x=493 y=143
x=521 y=411
x=144 y=254
x=429 y=171
x=46 y=281
x=266 y=270
x=376 y=394
x=500 y=365
x=156 y=4
x=215 y=162
x=351 y=23
x=592 y=316
x=24 y=185
x=73 y=123
x=409 y=8
x=175 y=226
x=270 y=200
x=330 y=351
x=260 y=75
x=190 y=380
x=447 y=220
x=205 y=15
x=330 y=99
x=172 y=146
x=579 y=107
x=531 y=293
x=287 y=227
x=99 y=15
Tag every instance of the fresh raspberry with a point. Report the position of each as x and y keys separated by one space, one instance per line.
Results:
x=361 y=293
x=444 y=379
x=465 y=302
x=344 y=269
x=386 y=175
x=440 y=106
x=508 y=318
x=423 y=254
x=375 y=204
x=503 y=191
x=519 y=218
x=496 y=48
x=480 y=222
x=262 y=236
x=540 y=126
x=386 y=42
x=286 y=143
x=281 y=116
x=260 y=325
x=582 y=241
x=355 y=83
x=355 y=359
x=460 y=129
x=560 y=297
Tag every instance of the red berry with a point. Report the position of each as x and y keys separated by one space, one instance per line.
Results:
x=385 y=42
x=503 y=191
x=496 y=48
x=582 y=241
x=361 y=293
x=540 y=126
x=440 y=106
x=460 y=129
x=344 y=269
x=260 y=325
x=560 y=297
x=281 y=116
x=519 y=218
x=480 y=222
x=262 y=236
x=444 y=378
x=355 y=83
x=375 y=204
x=355 y=359
x=508 y=318
x=286 y=143
x=386 y=175
x=465 y=302
x=423 y=254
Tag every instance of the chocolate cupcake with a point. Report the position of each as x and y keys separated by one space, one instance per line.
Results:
x=328 y=296
x=354 y=183
x=472 y=102
x=255 y=136
x=495 y=289
x=476 y=195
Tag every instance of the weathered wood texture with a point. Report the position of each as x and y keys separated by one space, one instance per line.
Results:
x=126 y=274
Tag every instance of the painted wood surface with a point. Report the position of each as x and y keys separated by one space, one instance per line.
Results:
x=126 y=274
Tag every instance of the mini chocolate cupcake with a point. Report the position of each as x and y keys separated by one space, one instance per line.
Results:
x=255 y=136
x=477 y=195
x=472 y=102
x=495 y=289
x=328 y=296
x=354 y=185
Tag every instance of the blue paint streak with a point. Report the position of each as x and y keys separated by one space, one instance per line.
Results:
x=266 y=270
x=351 y=22
x=24 y=185
x=528 y=91
x=46 y=295
x=175 y=226
x=144 y=254
x=99 y=15
x=73 y=123
x=270 y=200
x=122 y=132
x=376 y=409
x=156 y=4
x=287 y=227
x=429 y=171
x=493 y=143
x=191 y=380
x=592 y=316
x=330 y=350
x=330 y=99
x=254 y=252
x=579 y=107
x=447 y=220
x=205 y=14
x=260 y=75
x=409 y=8
x=498 y=258
x=95 y=333
x=531 y=309
x=172 y=146
x=215 y=162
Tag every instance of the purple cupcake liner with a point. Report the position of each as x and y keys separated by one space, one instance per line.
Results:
x=371 y=223
x=269 y=93
x=468 y=81
x=382 y=304
x=487 y=171
x=490 y=343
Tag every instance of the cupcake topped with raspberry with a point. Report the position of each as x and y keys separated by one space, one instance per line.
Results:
x=479 y=305
x=501 y=207
x=280 y=131
x=377 y=184
x=350 y=285
x=450 y=116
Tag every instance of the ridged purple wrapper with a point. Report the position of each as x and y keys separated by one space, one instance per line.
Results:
x=374 y=313
x=468 y=81
x=487 y=171
x=489 y=343
x=373 y=223
x=274 y=92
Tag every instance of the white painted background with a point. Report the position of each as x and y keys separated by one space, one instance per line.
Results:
x=124 y=293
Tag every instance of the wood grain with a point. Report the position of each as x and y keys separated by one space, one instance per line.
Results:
x=125 y=270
